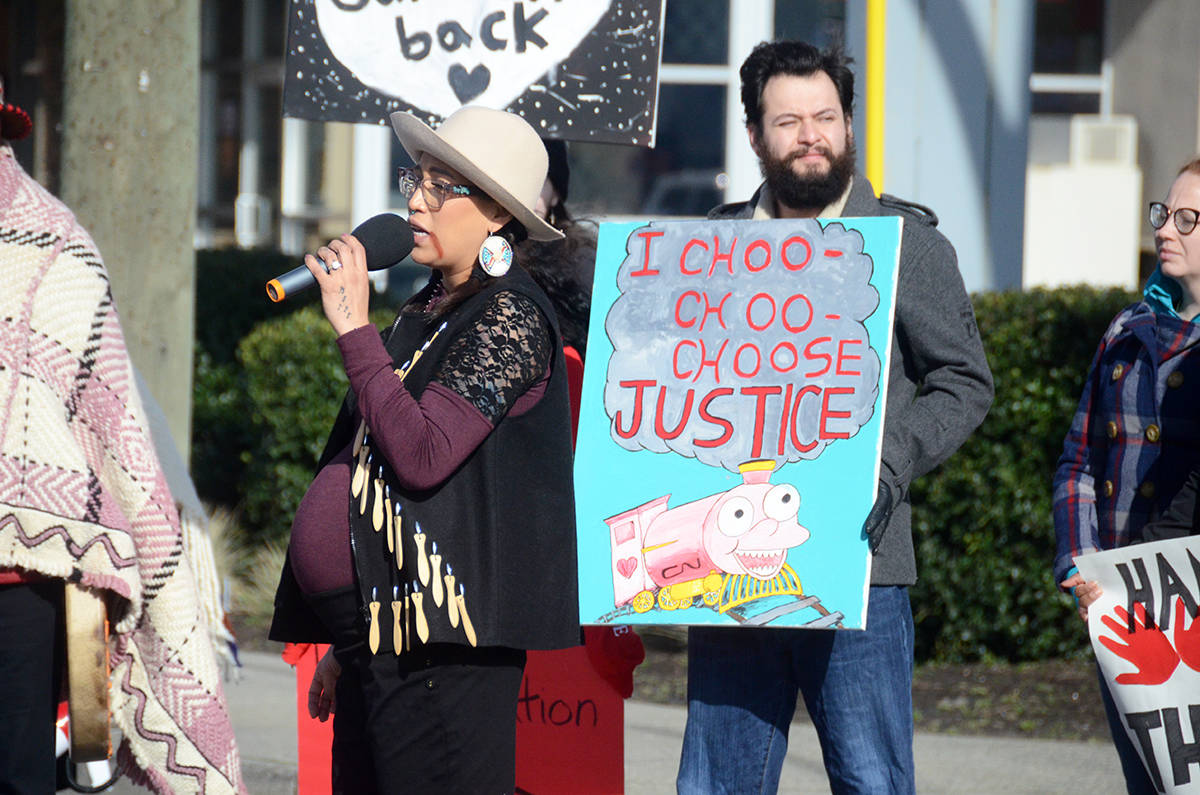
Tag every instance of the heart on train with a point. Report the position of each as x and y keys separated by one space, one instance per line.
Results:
x=626 y=567
x=468 y=85
x=415 y=51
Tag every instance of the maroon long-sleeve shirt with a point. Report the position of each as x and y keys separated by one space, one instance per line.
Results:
x=423 y=441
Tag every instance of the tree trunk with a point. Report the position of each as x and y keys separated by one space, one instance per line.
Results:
x=130 y=129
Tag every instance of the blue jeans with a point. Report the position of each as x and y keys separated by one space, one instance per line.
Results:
x=1137 y=780
x=857 y=685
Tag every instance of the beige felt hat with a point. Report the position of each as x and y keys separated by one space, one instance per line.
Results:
x=493 y=149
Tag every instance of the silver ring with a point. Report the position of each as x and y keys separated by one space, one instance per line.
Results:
x=335 y=266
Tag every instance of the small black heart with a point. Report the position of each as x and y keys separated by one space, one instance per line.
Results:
x=468 y=85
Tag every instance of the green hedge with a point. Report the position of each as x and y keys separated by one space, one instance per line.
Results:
x=982 y=522
x=231 y=300
x=294 y=385
x=231 y=297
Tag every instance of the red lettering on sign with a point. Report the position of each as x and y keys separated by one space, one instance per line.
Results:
x=720 y=422
x=714 y=363
x=784 y=346
x=709 y=309
x=737 y=359
x=640 y=386
x=675 y=360
x=811 y=355
x=757 y=244
x=683 y=257
x=760 y=394
x=647 y=236
x=783 y=420
x=842 y=356
x=679 y=321
x=828 y=413
x=750 y=311
x=659 y=429
x=787 y=261
x=810 y=389
x=808 y=307
x=718 y=256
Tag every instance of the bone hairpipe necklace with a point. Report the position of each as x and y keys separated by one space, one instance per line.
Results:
x=373 y=633
x=377 y=508
x=397 y=617
x=422 y=558
x=419 y=611
x=407 y=620
x=468 y=627
x=387 y=517
x=366 y=486
x=435 y=562
x=360 y=471
x=452 y=602
x=360 y=459
x=398 y=551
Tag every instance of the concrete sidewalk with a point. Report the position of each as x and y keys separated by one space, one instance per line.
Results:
x=262 y=706
x=945 y=763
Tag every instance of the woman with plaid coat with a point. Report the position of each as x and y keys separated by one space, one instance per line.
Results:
x=1136 y=432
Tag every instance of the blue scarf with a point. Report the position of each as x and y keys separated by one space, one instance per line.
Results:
x=1162 y=293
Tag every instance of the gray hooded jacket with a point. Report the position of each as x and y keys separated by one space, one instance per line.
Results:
x=939 y=384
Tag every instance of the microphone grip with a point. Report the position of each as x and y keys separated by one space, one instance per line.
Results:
x=291 y=282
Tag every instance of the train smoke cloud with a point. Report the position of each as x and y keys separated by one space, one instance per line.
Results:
x=741 y=340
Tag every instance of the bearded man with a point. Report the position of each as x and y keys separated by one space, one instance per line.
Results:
x=857 y=685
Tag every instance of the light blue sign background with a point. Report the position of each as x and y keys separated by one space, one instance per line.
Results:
x=836 y=489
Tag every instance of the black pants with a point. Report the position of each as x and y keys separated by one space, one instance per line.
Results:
x=31 y=649
x=438 y=720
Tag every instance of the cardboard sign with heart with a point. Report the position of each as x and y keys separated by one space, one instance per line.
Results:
x=440 y=56
x=627 y=567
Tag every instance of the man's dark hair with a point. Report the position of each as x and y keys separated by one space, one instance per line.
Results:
x=798 y=58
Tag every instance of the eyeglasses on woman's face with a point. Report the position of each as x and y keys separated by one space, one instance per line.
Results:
x=434 y=191
x=1185 y=217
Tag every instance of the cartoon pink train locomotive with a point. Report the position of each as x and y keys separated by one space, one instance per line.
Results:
x=723 y=551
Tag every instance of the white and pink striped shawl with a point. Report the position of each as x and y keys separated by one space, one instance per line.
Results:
x=82 y=495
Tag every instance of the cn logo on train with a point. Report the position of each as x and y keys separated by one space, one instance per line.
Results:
x=723 y=551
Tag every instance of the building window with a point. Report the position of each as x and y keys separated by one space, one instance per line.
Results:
x=818 y=22
x=1068 y=62
x=693 y=32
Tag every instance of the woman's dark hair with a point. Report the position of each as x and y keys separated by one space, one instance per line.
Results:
x=559 y=173
x=771 y=58
x=563 y=269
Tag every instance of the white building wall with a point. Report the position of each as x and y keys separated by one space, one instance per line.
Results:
x=957 y=116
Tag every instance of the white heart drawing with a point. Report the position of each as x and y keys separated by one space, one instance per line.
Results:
x=365 y=36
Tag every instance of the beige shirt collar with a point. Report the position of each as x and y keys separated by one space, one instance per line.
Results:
x=765 y=209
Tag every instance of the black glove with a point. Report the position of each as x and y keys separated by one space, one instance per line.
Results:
x=877 y=520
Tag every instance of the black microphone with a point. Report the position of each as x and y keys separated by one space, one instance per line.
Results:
x=386 y=238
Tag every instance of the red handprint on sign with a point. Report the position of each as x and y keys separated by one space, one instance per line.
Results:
x=1148 y=649
x=1187 y=641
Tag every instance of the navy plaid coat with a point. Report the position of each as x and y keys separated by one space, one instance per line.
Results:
x=1135 y=436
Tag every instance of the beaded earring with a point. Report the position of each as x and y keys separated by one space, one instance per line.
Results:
x=495 y=256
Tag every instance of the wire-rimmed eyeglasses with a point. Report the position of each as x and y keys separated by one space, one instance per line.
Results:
x=1185 y=217
x=435 y=192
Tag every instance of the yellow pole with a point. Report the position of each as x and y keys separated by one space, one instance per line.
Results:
x=876 y=72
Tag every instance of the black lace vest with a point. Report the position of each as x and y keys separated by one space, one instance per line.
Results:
x=488 y=557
